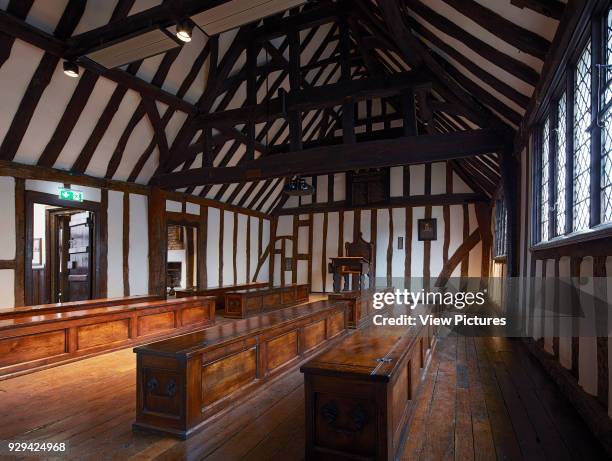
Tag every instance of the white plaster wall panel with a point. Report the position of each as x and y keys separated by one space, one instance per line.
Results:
x=456 y=229
x=139 y=140
x=472 y=215
x=149 y=168
x=141 y=5
x=192 y=208
x=138 y=257
x=7 y=288
x=285 y=225
x=317 y=244
x=149 y=66
x=397 y=181
x=416 y=261
x=228 y=247
x=45 y=14
x=339 y=187
x=333 y=220
x=292 y=202
x=349 y=222
x=587 y=359
x=302 y=272
x=548 y=326
x=565 y=320
x=212 y=247
x=399 y=230
x=46 y=187
x=417 y=179
x=97 y=13
x=303 y=239
x=267 y=206
x=86 y=123
x=459 y=186
x=174 y=206
x=7 y=223
x=254 y=254
x=366 y=225
x=321 y=189
x=174 y=125
x=277 y=270
x=184 y=61
x=382 y=241
x=228 y=192
x=265 y=269
x=438 y=178
x=255 y=193
x=104 y=151
x=436 y=260
x=115 y=244
x=237 y=156
x=475 y=261
x=197 y=87
x=241 y=254
x=241 y=193
x=16 y=72
x=46 y=116
x=213 y=191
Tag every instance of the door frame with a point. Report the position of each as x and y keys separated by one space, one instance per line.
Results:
x=187 y=220
x=98 y=250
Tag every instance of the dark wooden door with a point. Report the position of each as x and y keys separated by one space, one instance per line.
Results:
x=78 y=267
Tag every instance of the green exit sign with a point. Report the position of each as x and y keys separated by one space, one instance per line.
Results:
x=71 y=195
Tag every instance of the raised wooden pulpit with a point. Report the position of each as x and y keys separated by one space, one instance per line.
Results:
x=356 y=263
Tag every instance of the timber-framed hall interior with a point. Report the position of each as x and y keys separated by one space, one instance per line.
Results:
x=210 y=209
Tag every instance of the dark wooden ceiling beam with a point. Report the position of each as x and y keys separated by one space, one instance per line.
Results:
x=497 y=57
x=330 y=159
x=317 y=97
x=523 y=39
x=551 y=8
x=19 y=9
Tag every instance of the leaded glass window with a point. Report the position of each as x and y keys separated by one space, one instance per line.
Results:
x=544 y=180
x=501 y=223
x=561 y=165
x=606 y=127
x=581 y=176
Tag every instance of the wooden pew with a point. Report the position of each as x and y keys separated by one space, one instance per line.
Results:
x=28 y=343
x=184 y=381
x=240 y=304
x=360 y=303
x=360 y=395
x=219 y=291
x=27 y=311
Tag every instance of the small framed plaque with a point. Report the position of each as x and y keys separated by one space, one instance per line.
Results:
x=428 y=229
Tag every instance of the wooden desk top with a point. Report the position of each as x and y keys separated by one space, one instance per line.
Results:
x=7 y=324
x=229 y=287
x=199 y=341
x=263 y=289
x=358 y=355
x=8 y=312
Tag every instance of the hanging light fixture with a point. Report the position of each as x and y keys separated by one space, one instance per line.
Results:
x=298 y=187
x=184 y=29
x=71 y=69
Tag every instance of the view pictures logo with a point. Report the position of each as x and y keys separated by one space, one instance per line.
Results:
x=459 y=299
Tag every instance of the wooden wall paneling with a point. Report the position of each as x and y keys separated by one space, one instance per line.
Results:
x=126 y=244
x=102 y=248
x=158 y=237
x=20 y=241
x=601 y=322
x=221 y=234
x=408 y=248
x=575 y=274
x=202 y=248
x=235 y=240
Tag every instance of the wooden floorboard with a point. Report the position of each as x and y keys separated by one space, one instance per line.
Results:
x=481 y=399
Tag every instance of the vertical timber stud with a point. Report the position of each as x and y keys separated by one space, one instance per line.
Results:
x=126 y=244
x=20 y=231
x=158 y=237
x=202 y=248
x=102 y=257
x=272 y=256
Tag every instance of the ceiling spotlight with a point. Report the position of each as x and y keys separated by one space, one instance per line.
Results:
x=184 y=29
x=71 y=69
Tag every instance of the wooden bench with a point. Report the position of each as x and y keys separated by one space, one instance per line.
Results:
x=244 y=303
x=360 y=395
x=27 y=311
x=184 y=381
x=219 y=291
x=33 y=342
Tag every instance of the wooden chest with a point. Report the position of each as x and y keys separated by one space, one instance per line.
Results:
x=243 y=303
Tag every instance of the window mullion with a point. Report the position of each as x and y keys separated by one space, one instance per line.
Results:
x=569 y=138
x=596 y=58
x=552 y=181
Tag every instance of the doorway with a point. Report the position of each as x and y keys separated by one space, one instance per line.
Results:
x=62 y=250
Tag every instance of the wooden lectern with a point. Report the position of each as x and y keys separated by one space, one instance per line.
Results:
x=359 y=254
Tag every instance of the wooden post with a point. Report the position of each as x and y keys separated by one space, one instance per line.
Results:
x=158 y=237
x=20 y=242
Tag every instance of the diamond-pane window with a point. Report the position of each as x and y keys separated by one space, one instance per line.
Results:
x=561 y=165
x=606 y=129
x=581 y=176
x=544 y=180
x=501 y=229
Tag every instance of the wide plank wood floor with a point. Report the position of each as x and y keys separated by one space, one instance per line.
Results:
x=483 y=399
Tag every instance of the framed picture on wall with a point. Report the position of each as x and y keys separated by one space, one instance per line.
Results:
x=37 y=252
x=428 y=229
